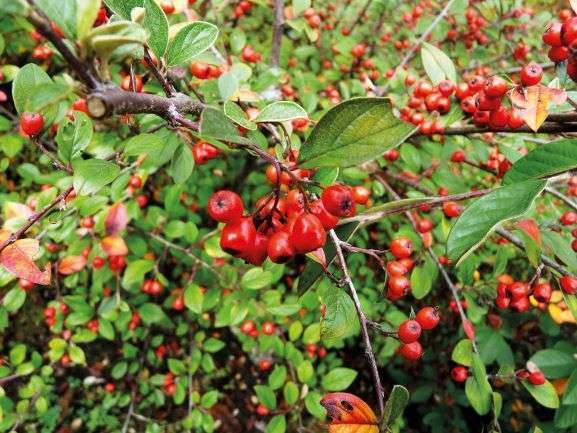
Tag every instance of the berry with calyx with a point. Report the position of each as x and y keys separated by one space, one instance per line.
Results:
x=409 y=331
x=401 y=247
x=238 y=237
x=531 y=74
x=542 y=292
x=225 y=206
x=428 y=318
x=338 y=200
x=537 y=378
x=568 y=284
x=31 y=123
x=308 y=234
x=280 y=248
x=412 y=351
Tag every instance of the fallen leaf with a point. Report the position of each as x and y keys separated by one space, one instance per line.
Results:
x=114 y=246
x=116 y=220
x=17 y=260
x=71 y=264
x=532 y=103
x=349 y=414
x=530 y=227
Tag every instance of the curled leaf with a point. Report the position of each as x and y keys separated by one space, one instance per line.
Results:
x=116 y=220
x=114 y=246
x=71 y=264
x=349 y=414
x=532 y=103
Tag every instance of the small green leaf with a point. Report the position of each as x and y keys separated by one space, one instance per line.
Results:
x=156 y=24
x=63 y=13
x=123 y=7
x=238 y=116
x=190 y=41
x=24 y=83
x=352 y=133
x=276 y=425
x=281 y=111
x=256 y=278
x=151 y=313
x=463 y=353
x=266 y=396
x=182 y=164
x=193 y=298
x=340 y=320
x=394 y=406
x=74 y=136
x=77 y=355
x=14 y=299
x=480 y=400
x=86 y=13
x=338 y=379
x=228 y=85
x=437 y=64
x=92 y=174
x=544 y=394
x=486 y=213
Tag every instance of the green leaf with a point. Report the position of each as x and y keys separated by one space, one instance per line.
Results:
x=123 y=7
x=47 y=95
x=340 y=320
x=544 y=394
x=146 y=144
x=228 y=85
x=193 y=298
x=276 y=425
x=156 y=24
x=480 y=400
x=182 y=164
x=463 y=353
x=396 y=403
x=560 y=247
x=437 y=64
x=266 y=396
x=14 y=299
x=284 y=309
x=18 y=354
x=554 y=364
x=566 y=416
x=77 y=355
x=209 y=399
x=24 y=83
x=291 y=393
x=278 y=377
x=190 y=41
x=74 y=136
x=256 y=278
x=570 y=394
x=299 y=6
x=338 y=379
x=238 y=116
x=545 y=161
x=86 y=13
x=63 y=13
x=135 y=272
x=486 y=213
x=151 y=313
x=352 y=133
x=281 y=111
x=92 y=174
x=422 y=278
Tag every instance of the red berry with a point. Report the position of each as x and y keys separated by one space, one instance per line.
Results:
x=238 y=237
x=225 y=206
x=247 y=327
x=264 y=364
x=401 y=247
x=569 y=31
x=31 y=123
x=459 y=373
x=568 y=284
x=409 y=331
x=262 y=410
x=531 y=74
x=412 y=351
x=495 y=87
x=502 y=302
x=542 y=292
x=268 y=328
x=446 y=87
x=458 y=156
x=396 y=268
x=97 y=262
x=552 y=35
x=558 y=54
x=537 y=378
x=398 y=286
x=361 y=194
x=308 y=234
x=338 y=200
x=135 y=182
x=568 y=218
x=280 y=249
x=327 y=219
x=428 y=318
x=451 y=209
x=424 y=225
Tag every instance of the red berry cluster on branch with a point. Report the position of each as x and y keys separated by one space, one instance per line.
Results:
x=410 y=331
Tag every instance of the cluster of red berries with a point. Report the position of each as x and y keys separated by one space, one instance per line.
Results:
x=398 y=285
x=152 y=287
x=410 y=331
x=202 y=152
x=562 y=38
x=134 y=321
x=516 y=294
x=314 y=20
x=50 y=314
x=313 y=350
x=332 y=93
x=168 y=384
x=536 y=377
x=249 y=328
x=205 y=71
x=249 y=55
x=473 y=32
x=242 y=9
x=41 y=52
x=281 y=228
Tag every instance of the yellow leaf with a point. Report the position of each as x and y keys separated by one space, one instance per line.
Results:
x=532 y=103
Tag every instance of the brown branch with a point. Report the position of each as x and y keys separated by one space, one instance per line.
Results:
x=34 y=219
x=278 y=12
x=166 y=86
x=360 y=15
x=363 y=322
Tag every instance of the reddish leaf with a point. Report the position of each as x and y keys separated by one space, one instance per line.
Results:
x=71 y=264
x=18 y=260
x=318 y=256
x=349 y=414
x=532 y=103
x=530 y=227
x=17 y=210
x=469 y=329
x=114 y=246
x=116 y=220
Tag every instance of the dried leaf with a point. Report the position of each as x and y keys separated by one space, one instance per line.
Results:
x=318 y=256
x=349 y=414
x=116 y=220
x=530 y=227
x=17 y=210
x=17 y=260
x=532 y=104
x=114 y=246
x=71 y=264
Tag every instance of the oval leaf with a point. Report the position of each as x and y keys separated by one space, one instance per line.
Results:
x=281 y=111
x=437 y=64
x=191 y=41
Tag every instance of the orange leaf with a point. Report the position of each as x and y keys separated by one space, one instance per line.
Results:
x=116 y=220
x=114 y=246
x=16 y=260
x=71 y=264
x=349 y=414
x=17 y=210
x=530 y=227
x=532 y=103
x=318 y=256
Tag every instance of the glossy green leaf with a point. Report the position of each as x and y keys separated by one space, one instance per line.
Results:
x=63 y=13
x=481 y=217
x=156 y=24
x=437 y=64
x=238 y=116
x=463 y=353
x=74 y=136
x=338 y=379
x=281 y=111
x=544 y=161
x=266 y=396
x=480 y=400
x=544 y=394
x=277 y=424
x=190 y=41
x=182 y=164
x=553 y=363
x=340 y=320
x=24 y=84
x=354 y=132
x=92 y=174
